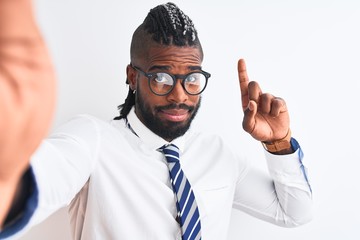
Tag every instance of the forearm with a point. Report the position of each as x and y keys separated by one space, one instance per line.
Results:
x=27 y=87
x=292 y=187
x=284 y=197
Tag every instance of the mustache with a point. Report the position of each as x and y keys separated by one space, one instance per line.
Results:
x=175 y=106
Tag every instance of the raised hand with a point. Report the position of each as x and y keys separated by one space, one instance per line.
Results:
x=266 y=117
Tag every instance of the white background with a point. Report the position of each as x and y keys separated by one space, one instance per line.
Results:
x=304 y=51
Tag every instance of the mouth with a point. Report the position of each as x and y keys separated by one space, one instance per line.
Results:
x=175 y=113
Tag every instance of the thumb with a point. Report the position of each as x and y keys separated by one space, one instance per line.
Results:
x=249 y=117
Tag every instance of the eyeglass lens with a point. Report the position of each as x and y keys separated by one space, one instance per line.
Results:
x=162 y=83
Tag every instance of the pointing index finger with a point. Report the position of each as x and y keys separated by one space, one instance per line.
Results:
x=244 y=82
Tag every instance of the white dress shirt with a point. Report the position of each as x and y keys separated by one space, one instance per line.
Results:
x=117 y=183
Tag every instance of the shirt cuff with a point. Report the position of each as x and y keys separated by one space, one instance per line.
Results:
x=24 y=217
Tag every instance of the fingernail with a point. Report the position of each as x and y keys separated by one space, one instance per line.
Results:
x=250 y=106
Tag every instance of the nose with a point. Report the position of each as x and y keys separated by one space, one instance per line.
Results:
x=178 y=94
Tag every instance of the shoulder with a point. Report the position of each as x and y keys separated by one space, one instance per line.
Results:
x=84 y=123
x=82 y=129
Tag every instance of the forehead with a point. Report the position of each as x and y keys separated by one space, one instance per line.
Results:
x=173 y=56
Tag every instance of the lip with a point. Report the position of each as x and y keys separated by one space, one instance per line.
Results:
x=174 y=115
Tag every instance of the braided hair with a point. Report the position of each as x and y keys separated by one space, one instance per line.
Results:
x=166 y=25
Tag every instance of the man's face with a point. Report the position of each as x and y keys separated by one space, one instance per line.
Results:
x=167 y=116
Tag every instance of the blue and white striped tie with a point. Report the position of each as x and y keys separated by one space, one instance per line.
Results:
x=188 y=213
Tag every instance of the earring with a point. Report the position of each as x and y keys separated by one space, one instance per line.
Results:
x=134 y=91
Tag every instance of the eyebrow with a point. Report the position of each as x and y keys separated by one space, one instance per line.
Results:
x=159 y=67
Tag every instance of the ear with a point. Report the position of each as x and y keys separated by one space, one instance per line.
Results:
x=131 y=77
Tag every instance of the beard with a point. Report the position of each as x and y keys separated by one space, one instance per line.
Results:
x=165 y=129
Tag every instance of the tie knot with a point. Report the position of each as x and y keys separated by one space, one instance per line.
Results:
x=171 y=152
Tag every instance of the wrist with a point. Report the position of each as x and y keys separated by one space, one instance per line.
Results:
x=281 y=146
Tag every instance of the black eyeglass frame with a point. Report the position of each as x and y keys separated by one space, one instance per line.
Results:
x=175 y=77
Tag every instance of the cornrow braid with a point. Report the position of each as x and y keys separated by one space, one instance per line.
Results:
x=127 y=105
x=169 y=25
x=166 y=25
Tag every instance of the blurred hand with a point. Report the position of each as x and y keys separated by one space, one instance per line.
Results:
x=27 y=94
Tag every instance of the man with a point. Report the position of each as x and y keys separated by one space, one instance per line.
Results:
x=147 y=174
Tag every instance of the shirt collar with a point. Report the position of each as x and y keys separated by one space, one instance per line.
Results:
x=150 y=138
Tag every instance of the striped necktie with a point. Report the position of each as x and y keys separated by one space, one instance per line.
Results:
x=188 y=213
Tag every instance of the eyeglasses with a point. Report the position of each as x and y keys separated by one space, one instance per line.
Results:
x=162 y=83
